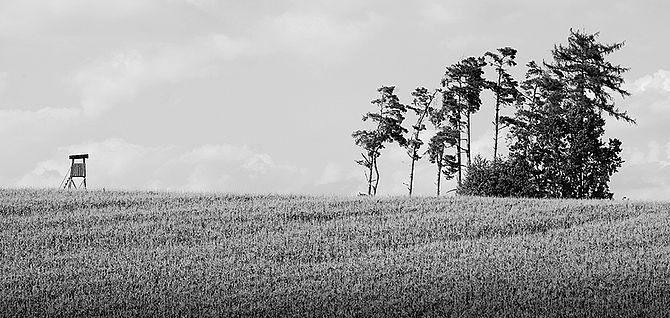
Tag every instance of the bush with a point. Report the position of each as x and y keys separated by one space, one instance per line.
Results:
x=499 y=178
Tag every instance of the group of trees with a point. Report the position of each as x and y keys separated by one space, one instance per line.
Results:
x=555 y=135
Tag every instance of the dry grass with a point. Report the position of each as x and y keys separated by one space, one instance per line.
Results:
x=144 y=253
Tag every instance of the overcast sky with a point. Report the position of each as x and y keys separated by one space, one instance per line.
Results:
x=262 y=95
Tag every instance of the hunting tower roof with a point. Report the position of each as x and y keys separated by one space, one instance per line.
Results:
x=82 y=156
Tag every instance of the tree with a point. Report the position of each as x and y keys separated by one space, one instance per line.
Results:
x=421 y=108
x=536 y=127
x=505 y=88
x=388 y=120
x=583 y=66
x=464 y=80
x=446 y=137
x=558 y=130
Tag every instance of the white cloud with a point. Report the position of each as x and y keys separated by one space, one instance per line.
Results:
x=659 y=81
x=645 y=172
x=331 y=173
x=212 y=153
x=334 y=173
x=22 y=17
x=116 y=163
x=242 y=156
x=3 y=82
x=483 y=145
x=200 y=179
x=457 y=42
x=28 y=120
x=202 y=4
x=259 y=163
x=46 y=174
x=319 y=35
x=642 y=181
x=650 y=100
x=437 y=13
x=113 y=162
x=111 y=81
x=119 y=78
x=653 y=153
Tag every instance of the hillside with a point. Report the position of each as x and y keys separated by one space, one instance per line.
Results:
x=145 y=253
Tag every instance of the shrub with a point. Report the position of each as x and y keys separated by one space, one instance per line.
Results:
x=499 y=178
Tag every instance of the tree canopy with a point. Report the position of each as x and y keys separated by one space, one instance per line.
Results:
x=556 y=134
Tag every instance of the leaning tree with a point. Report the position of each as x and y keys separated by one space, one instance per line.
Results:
x=388 y=128
x=445 y=121
x=421 y=106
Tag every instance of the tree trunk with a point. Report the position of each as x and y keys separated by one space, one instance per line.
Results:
x=467 y=151
x=377 y=176
x=497 y=119
x=411 y=173
x=460 y=138
x=439 y=175
x=415 y=149
x=459 y=150
x=370 y=177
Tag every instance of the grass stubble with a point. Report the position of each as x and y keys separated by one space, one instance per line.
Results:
x=178 y=254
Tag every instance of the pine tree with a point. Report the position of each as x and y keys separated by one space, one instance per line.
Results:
x=504 y=88
x=421 y=106
x=538 y=130
x=388 y=120
x=464 y=79
x=558 y=130
x=446 y=137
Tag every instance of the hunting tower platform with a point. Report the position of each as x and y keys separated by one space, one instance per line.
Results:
x=77 y=170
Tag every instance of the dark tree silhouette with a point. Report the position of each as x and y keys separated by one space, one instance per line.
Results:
x=464 y=80
x=446 y=137
x=504 y=88
x=558 y=129
x=421 y=106
x=388 y=119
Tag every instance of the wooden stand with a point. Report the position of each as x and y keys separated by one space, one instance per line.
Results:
x=77 y=170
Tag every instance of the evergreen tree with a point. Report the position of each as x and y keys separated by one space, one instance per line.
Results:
x=464 y=80
x=447 y=135
x=421 y=106
x=558 y=130
x=388 y=119
x=504 y=88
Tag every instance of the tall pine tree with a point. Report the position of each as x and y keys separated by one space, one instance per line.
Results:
x=558 y=130
x=465 y=82
x=421 y=106
x=388 y=121
x=445 y=120
x=504 y=88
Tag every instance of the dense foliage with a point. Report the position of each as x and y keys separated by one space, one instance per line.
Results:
x=498 y=178
x=463 y=83
x=556 y=133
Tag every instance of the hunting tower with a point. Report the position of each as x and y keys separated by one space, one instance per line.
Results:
x=77 y=170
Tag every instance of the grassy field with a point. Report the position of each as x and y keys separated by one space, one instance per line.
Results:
x=147 y=254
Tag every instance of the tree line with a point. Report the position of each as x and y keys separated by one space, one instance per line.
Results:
x=555 y=136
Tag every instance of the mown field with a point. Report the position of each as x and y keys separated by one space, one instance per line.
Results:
x=148 y=254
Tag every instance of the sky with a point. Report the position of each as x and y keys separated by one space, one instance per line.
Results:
x=261 y=96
